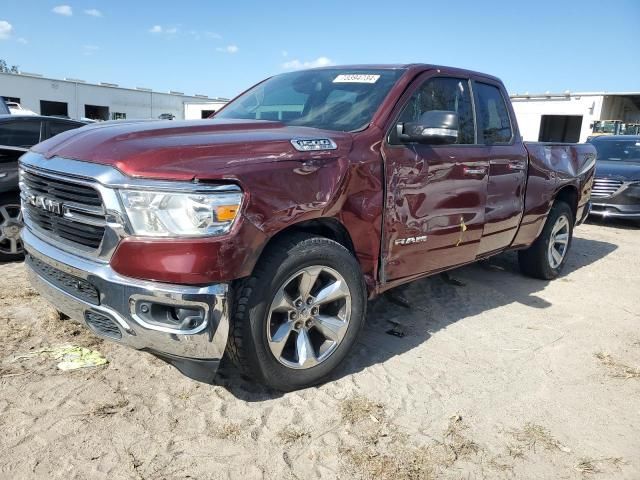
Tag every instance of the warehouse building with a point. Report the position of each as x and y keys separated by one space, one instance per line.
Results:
x=573 y=117
x=78 y=99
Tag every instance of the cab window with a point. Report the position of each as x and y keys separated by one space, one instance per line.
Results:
x=494 y=125
x=444 y=93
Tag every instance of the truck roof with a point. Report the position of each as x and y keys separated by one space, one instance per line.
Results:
x=418 y=67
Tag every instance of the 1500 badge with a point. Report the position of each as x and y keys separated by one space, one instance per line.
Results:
x=410 y=240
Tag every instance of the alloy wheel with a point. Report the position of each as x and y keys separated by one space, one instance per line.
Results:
x=558 y=242
x=308 y=317
x=10 y=228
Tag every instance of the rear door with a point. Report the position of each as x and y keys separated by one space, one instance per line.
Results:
x=435 y=194
x=508 y=162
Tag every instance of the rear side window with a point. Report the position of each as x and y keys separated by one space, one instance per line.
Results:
x=20 y=133
x=444 y=93
x=58 y=127
x=494 y=125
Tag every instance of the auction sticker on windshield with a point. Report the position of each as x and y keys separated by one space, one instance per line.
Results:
x=356 y=78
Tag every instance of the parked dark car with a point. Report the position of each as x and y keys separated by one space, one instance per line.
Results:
x=17 y=134
x=616 y=189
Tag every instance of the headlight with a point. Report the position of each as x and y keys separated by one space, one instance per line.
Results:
x=168 y=214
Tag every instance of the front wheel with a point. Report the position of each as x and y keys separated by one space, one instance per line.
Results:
x=296 y=318
x=546 y=257
x=11 y=248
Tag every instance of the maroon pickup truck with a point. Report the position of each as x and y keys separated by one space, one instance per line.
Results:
x=263 y=231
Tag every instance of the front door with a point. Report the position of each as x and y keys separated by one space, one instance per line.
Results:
x=508 y=162
x=435 y=194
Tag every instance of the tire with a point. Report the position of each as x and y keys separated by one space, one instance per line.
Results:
x=538 y=260
x=11 y=248
x=263 y=316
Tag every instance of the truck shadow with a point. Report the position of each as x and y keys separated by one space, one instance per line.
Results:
x=435 y=303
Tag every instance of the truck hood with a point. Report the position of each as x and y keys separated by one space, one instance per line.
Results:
x=185 y=150
x=628 y=170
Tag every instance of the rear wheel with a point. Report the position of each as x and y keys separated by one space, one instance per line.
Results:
x=546 y=257
x=11 y=248
x=299 y=314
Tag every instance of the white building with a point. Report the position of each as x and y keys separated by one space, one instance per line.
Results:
x=78 y=99
x=569 y=117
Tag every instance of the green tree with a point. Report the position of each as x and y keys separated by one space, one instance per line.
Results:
x=4 y=68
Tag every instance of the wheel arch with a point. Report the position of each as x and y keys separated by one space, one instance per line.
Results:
x=569 y=195
x=327 y=227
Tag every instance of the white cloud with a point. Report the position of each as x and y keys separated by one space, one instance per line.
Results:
x=213 y=35
x=165 y=30
x=6 y=29
x=93 y=12
x=297 y=64
x=23 y=40
x=89 y=50
x=228 y=49
x=64 y=10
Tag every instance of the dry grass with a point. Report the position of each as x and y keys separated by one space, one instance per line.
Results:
x=229 y=431
x=395 y=457
x=591 y=466
x=109 y=409
x=455 y=443
x=18 y=293
x=292 y=435
x=515 y=451
x=497 y=464
x=617 y=369
x=532 y=436
x=410 y=464
x=357 y=409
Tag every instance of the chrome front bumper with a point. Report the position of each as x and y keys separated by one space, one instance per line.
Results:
x=116 y=300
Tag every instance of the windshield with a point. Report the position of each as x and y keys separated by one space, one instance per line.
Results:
x=332 y=99
x=618 y=149
x=624 y=150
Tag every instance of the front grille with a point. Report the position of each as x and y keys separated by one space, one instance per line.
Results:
x=102 y=325
x=75 y=286
x=605 y=187
x=78 y=216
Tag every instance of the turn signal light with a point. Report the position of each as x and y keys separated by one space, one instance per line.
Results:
x=226 y=213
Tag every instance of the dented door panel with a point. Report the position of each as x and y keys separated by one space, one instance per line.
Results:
x=437 y=192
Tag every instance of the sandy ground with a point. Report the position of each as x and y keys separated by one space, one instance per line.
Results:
x=496 y=376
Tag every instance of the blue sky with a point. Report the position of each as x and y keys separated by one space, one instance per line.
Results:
x=219 y=48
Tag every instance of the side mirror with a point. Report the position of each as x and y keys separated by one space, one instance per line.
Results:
x=436 y=127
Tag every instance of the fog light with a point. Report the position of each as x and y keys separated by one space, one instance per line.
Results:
x=174 y=317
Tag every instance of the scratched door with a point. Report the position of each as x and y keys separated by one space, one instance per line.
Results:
x=436 y=194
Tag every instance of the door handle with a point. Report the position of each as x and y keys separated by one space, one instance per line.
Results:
x=474 y=170
x=516 y=166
